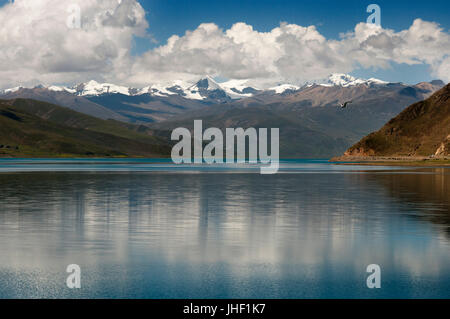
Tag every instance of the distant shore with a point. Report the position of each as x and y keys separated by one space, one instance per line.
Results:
x=392 y=160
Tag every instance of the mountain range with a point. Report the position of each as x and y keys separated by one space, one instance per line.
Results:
x=310 y=121
x=312 y=125
x=206 y=89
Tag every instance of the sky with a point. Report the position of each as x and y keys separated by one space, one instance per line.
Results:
x=141 y=42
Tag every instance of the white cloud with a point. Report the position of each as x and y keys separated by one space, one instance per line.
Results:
x=36 y=43
x=293 y=53
x=288 y=52
x=37 y=46
x=422 y=43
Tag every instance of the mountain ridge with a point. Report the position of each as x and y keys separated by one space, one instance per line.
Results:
x=421 y=130
x=310 y=120
x=30 y=128
x=233 y=89
x=311 y=123
x=159 y=103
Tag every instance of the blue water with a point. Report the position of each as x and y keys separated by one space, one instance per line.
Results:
x=152 y=229
x=166 y=165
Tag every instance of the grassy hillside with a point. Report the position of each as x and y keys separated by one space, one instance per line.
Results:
x=423 y=129
x=30 y=128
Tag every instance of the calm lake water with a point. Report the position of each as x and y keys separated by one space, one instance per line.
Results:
x=150 y=229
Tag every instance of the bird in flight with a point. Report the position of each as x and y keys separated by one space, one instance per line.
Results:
x=344 y=105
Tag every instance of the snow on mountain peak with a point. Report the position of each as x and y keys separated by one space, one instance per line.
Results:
x=204 y=89
x=377 y=81
x=238 y=89
x=341 y=79
x=12 y=90
x=206 y=83
x=282 y=88
x=345 y=80
x=236 y=84
x=55 y=88
x=93 y=88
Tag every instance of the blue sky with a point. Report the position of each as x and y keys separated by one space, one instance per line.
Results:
x=168 y=17
x=230 y=39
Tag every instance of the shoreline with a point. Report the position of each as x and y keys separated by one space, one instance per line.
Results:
x=391 y=161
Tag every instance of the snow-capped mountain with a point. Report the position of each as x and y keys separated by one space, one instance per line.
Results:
x=160 y=102
x=205 y=89
x=238 y=89
x=55 y=88
x=93 y=88
x=11 y=90
x=283 y=88
x=345 y=80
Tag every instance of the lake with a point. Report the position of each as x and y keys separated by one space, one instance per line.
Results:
x=151 y=229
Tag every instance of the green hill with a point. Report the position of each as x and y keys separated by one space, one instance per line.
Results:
x=30 y=128
x=423 y=129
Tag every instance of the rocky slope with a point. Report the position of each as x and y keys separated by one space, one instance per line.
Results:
x=421 y=130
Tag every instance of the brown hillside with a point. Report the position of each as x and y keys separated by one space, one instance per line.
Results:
x=423 y=129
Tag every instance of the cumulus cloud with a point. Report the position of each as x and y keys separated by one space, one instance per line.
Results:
x=423 y=43
x=293 y=53
x=288 y=52
x=37 y=46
